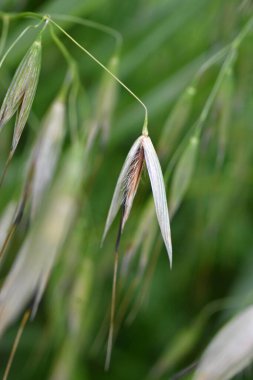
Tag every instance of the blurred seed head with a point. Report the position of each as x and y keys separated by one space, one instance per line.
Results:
x=30 y=272
x=46 y=153
x=230 y=351
x=175 y=123
x=183 y=174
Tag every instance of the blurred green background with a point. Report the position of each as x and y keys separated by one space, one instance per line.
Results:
x=165 y=318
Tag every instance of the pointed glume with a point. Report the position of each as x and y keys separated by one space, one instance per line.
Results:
x=132 y=182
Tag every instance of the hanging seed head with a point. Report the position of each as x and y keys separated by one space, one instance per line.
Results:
x=126 y=187
x=20 y=95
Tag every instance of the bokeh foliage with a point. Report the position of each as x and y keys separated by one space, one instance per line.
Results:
x=166 y=317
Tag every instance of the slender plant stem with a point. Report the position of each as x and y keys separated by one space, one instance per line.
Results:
x=216 y=57
x=4 y=34
x=15 y=344
x=197 y=127
x=91 y=24
x=13 y=16
x=145 y=124
x=6 y=166
x=18 y=39
x=243 y=33
x=210 y=100
x=75 y=76
x=111 y=329
x=69 y=59
x=67 y=18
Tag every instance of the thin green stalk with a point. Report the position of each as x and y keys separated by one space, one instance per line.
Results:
x=15 y=344
x=205 y=111
x=198 y=126
x=5 y=28
x=69 y=59
x=240 y=37
x=18 y=39
x=211 y=61
x=14 y=16
x=145 y=124
x=68 y=18
x=73 y=75
x=91 y=24
x=112 y=314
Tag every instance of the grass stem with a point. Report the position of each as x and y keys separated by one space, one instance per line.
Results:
x=15 y=344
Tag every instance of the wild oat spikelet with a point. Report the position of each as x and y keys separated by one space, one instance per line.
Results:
x=20 y=95
x=127 y=184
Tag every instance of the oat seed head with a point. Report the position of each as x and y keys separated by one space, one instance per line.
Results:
x=21 y=92
x=127 y=185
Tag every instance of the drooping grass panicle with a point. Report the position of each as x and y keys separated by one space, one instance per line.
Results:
x=21 y=90
x=142 y=150
x=27 y=89
x=20 y=95
x=126 y=187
